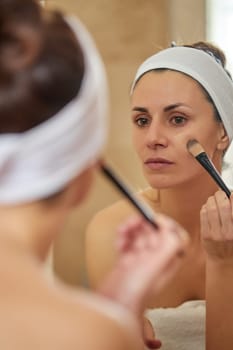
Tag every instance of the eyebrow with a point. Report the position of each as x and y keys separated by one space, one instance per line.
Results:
x=173 y=106
x=140 y=109
x=166 y=109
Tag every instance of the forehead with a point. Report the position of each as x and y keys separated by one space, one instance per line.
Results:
x=168 y=84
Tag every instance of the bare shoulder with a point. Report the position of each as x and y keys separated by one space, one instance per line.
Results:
x=112 y=216
x=83 y=320
x=47 y=314
x=37 y=314
x=110 y=326
x=101 y=235
x=100 y=240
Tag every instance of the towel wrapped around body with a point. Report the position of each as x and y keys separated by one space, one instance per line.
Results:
x=180 y=328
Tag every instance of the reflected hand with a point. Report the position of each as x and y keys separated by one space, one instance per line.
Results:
x=148 y=258
x=216 y=218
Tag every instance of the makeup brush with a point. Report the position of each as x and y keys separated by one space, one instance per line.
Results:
x=115 y=179
x=198 y=152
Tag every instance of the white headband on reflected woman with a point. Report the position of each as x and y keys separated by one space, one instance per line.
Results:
x=203 y=68
x=43 y=160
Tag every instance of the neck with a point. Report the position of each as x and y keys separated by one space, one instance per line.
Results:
x=31 y=228
x=183 y=203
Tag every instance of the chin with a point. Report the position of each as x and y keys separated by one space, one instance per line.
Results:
x=166 y=182
x=172 y=180
x=161 y=181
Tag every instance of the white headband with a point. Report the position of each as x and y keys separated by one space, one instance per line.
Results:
x=203 y=68
x=42 y=160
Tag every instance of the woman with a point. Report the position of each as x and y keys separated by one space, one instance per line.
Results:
x=179 y=94
x=52 y=131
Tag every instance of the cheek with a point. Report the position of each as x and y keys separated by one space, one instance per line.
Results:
x=137 y=142
x=186 y=161
x=208 y=141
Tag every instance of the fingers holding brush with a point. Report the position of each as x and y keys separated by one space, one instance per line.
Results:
x=136 y=233
x=147 y=260
x=216 y=218
x=156 y=253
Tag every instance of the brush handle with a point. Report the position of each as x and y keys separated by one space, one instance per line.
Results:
x=145 y=212
x=209 y=166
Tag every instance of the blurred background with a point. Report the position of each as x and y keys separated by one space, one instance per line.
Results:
x=127 y=32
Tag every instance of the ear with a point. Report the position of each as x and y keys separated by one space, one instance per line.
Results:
x=223 y=142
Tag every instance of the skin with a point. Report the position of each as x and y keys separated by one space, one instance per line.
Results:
x=217 y=236
x=173 y=115
x=48 y=315
x=51 y=314
x=168 y=109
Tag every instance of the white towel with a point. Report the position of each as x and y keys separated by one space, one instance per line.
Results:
x=180 y=328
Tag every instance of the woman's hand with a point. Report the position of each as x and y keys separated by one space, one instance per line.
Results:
x=147 y=260
x=150 y=256
x=217 y=237
x=217 y=227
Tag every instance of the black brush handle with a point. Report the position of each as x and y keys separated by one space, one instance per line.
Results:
x=209 y=166
x=108 y=172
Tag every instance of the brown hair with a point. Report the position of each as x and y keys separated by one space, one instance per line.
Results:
x=41 y=64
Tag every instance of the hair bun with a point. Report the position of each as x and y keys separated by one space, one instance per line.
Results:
x=19 y=23
x=13 y=9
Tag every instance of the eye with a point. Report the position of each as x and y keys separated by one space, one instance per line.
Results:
x=178 y=120
x=141 y=121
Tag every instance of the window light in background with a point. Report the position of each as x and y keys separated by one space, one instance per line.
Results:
x=219 y=30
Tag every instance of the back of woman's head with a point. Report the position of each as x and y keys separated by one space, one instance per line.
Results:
x=53 y=101
x=41 y=65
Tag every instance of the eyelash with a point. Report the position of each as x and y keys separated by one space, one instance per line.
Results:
x=184 y=120
x=145 y=121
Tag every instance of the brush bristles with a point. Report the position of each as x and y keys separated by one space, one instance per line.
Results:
x=194 y=147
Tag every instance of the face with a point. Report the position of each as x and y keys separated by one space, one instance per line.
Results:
x=168 y=109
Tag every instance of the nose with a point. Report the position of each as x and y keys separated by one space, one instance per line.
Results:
x=156 y=135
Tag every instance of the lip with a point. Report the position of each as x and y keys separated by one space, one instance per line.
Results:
x=157 y=163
